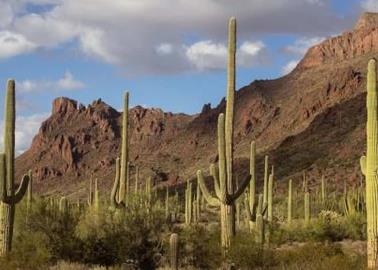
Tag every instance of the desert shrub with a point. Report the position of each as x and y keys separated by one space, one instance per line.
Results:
x=245 y=254
x=114 y=236
x=318 y=256
x=200 y=247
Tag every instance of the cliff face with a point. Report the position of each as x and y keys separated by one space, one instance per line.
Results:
x=312 y=119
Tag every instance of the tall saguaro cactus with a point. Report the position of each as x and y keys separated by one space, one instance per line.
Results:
x=8 y=196
x=122 y=178
x=369 y=166
x=227 y=193
x=124 y=150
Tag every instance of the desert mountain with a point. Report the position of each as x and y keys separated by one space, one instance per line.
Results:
x=312 y=119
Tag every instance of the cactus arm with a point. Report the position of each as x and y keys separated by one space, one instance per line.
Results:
x=363 y=164
x=215 y=175
x=113 y=193
x=21 y=191
x=241 y=189
x=213 y=201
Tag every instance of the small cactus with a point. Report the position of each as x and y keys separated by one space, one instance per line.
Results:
x=174 y=251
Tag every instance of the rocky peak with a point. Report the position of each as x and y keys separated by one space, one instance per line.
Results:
x=359 y=42
x=63 y=105
x=367 y=20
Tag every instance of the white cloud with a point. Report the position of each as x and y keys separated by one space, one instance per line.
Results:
x=93 y=42
x=289 y=67
x=67 y=82
x=125 y=32
x=301 y=45
x=207 y=55
x=12 y=44
x=26 y=128
x=164 y=49
x=370 y=5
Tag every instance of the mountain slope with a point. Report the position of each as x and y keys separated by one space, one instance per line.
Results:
x=312 y=119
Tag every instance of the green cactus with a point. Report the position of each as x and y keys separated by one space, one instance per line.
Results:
x=114 y=203
x=124 y=168
x=8 y=196
x=90 y=195
x=166 y=203
x=121 y=184
x=307 y=210
x=324 y=191
x=96 y=197
x=29 y=200
x=266 y=179
x=227 y=193
x=149 y=191
x=63 y=205
x=252 y=172
x=174 y=251
x=188 y=203
x=290 y=203
x=259 y=226
x=136 y=179
x=270 y=197
x=198 y=201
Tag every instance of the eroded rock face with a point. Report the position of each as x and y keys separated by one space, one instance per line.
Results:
x=363 y=40
x=312 y=119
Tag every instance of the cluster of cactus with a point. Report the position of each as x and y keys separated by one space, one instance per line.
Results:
x=261 y=211
x=9 y=197
x=226 y=194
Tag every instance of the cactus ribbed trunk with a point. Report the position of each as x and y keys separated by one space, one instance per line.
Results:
x=252 y=171
x=369 y=166
x=124 y=151
x=290 y=203
x=307 y=210
x=324 y=194
x=174 y=251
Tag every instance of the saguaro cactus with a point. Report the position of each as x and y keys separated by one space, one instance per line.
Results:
x=122 y=178
x=113 y=194
x=252 y=172
x=324 y=192
x=270 y=197
x=8 y=196
x=124 y=150
x=307 y=210
x=174 y=251
x=228 y=195
x=290 y=203
x=188 y=203
x=369 y=166
x=30 y=192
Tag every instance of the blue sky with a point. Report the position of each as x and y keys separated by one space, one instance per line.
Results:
x=169 y=54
